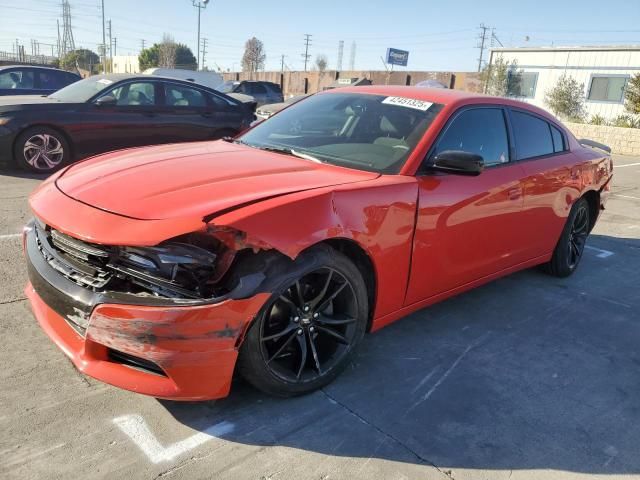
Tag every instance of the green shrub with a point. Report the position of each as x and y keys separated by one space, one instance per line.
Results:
x=626 y=121
x=598 y=120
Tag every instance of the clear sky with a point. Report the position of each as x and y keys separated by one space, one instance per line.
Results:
x=440 y=35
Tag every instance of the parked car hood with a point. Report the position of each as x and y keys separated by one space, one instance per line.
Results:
x=11 y=103
x=197 y=179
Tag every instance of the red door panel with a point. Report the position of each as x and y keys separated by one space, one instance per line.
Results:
x=467 y=228
x=551 y=185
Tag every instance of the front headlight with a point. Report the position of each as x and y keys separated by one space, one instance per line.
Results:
x=173 y=269
x=4 y=120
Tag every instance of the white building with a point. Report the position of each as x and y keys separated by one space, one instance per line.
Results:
x=604 y=71
x=126 y=64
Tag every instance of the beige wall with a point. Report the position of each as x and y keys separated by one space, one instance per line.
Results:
x=624 y=141
x=293 y=83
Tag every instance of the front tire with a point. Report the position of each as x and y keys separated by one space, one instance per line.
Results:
x=568 y=252
x=308 y=331
x=41 y=150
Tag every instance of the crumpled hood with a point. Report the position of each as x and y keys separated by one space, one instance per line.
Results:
x=196 y=179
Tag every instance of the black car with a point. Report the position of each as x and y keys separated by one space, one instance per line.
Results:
x=263 y=92
x=110 y=112
x=29 y=80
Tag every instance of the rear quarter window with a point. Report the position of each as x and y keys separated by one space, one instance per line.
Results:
x=532 y=135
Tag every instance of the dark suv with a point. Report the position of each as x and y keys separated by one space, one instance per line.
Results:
x=263 y=92
x=30 y=80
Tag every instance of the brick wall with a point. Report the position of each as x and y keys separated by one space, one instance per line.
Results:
x=623 y=141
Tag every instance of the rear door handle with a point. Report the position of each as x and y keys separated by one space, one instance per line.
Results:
x=514 y=193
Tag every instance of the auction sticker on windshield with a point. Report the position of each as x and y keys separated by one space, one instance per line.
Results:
x=408 y=102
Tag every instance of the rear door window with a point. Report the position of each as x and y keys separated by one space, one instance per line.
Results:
x=532 y=135
x=179 y=96
x=481 y=131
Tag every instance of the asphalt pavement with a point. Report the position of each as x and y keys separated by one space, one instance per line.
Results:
x=527 y=377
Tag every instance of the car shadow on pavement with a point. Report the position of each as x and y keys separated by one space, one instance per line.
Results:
x=17 y=173
x=528 y=372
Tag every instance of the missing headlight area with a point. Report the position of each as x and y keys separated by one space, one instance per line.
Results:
x=189 y=267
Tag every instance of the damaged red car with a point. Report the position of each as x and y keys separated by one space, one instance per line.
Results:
x=164 y=270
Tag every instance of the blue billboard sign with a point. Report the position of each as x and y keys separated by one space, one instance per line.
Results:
x=397 y=57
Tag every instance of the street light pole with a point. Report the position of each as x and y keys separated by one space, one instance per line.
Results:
x=199 y=4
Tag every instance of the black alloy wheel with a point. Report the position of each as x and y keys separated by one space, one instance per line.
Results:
x=578 y=236
x=309 y=329
x=570 y=247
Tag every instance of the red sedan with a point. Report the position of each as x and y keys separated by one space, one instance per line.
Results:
x=164 y=269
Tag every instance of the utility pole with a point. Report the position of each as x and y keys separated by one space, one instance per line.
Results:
x=110 y=47
x=305 y=55
x=199 y=4
x=142 y=44
x=204 y=52
x=340 y=54
x=352 y=61
x=58 y=24
x=482 y=37
x=115 y=46
x=104 y=43
x=68 y=43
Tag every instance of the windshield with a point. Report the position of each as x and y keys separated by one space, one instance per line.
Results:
x=83 y=90
x=226 y=87
x=366 y=132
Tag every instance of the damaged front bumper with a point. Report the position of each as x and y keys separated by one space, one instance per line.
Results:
x=151 y=346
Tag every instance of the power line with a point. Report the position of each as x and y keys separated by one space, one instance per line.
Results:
x=305 y=55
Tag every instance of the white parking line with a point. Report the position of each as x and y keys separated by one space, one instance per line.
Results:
x=626 y=196
x=11 y=235
x=627 y=165
x=136 y=428
x=602 y=254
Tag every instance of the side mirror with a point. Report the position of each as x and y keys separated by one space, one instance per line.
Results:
x=107 y=100
x=458 y=162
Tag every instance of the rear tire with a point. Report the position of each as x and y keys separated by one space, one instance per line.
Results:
x=302 y=338
x=41 y=150
x=568 y=252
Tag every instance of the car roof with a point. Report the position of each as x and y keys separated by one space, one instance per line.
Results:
x=444 y=96
x=39 y=67
x=116 y=77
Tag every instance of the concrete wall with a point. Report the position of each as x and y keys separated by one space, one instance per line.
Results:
x=580 y=63
x=624 y=141
x=126 y=64
x=294 y=83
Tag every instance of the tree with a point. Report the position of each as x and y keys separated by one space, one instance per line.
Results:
x=501 y=78
x=254 y=56
x=632 y=95
x=81 y=58
x=566 y=98
x=321 y=63
x=167 y=54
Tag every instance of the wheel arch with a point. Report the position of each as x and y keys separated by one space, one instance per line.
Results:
x=593 y=199
x=363 y=262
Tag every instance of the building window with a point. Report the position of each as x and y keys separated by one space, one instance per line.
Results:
x=522 y=84
x=608 y=88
